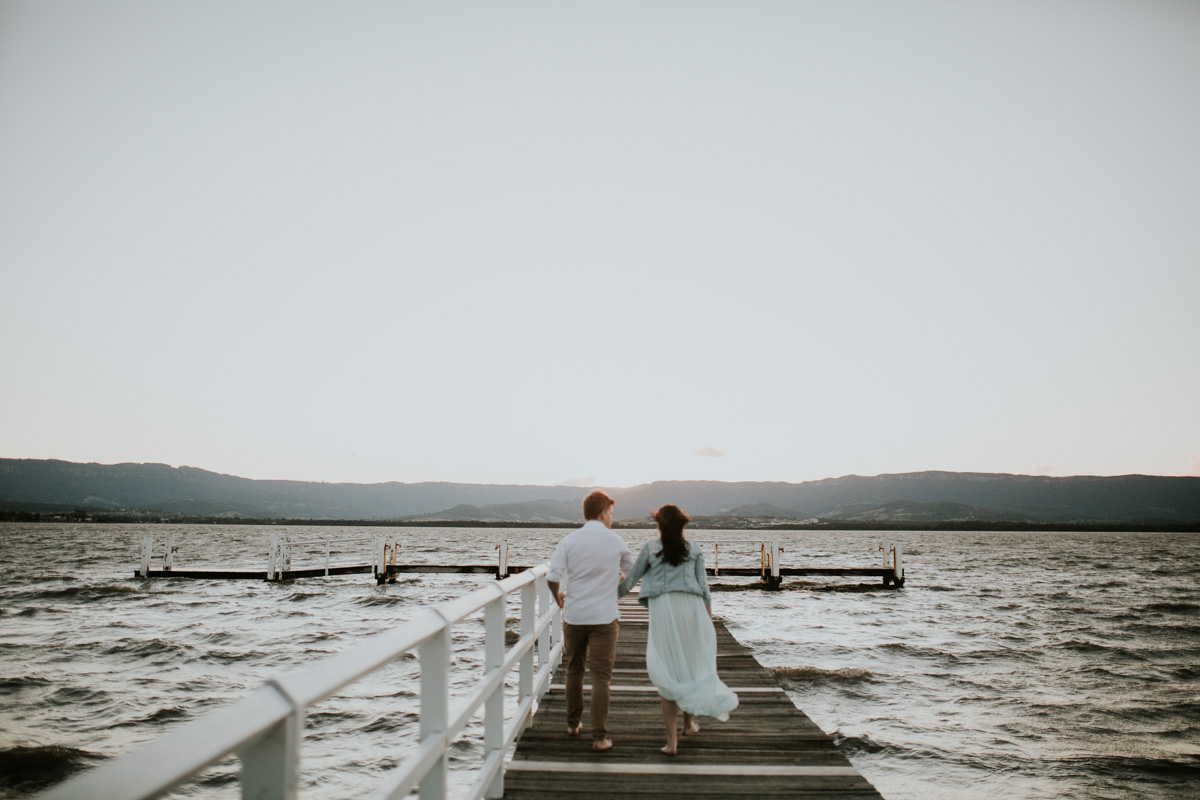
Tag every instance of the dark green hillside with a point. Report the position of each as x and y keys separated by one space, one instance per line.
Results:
x=197 y=492
x=28 y=486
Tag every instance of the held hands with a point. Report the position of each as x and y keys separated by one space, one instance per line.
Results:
x=560 y=598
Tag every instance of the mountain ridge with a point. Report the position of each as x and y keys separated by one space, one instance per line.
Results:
x=930 y=496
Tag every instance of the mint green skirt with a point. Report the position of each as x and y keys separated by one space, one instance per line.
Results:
x=681 y=655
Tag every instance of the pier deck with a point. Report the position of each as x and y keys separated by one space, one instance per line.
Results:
x=886 y=573
x=767 y=749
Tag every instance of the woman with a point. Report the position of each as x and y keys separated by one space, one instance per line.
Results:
x=681 y=650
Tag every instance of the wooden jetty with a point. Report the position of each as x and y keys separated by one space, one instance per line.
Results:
x=767 y=749
x=385 y=566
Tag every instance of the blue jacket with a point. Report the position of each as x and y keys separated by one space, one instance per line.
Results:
x=659 y=577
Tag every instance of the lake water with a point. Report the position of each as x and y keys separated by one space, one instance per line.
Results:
x=1014 y=665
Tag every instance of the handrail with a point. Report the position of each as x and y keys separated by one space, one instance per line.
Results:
x=731 y=539
x=265 y=728
x=334 y=541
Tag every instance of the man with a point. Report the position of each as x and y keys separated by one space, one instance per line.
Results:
x=592 y=559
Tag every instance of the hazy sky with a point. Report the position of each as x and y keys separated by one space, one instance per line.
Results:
x=602 y=243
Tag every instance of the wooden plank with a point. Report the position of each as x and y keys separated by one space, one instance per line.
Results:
x=210 y=574
x=481 y=569
x=749 y=770
x=615 y=688
x=767 y=749
x=261 y=575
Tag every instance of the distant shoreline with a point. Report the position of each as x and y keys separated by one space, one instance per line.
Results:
x=704 y=523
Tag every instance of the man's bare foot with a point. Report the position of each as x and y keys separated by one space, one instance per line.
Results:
x=668 y=750
x=691 y=730
x=574 y=731
x=603 y=744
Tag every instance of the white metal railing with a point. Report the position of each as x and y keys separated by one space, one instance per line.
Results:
x=279 y=553
x=265 y=728
x=769 y=551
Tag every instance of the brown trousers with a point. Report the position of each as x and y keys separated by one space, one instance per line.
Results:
x=596 y=647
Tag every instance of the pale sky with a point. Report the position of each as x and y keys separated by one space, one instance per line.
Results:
x=602 y=243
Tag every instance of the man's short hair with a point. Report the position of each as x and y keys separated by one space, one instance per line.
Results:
x=596 y=504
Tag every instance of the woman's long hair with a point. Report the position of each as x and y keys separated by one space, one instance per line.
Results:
x=671 y=520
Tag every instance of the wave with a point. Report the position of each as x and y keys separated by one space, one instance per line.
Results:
x=398 y=693
x=807 y=673
x=80 y=695
x=219 y=656
x=85 y=593
x=376 y=600
x=1172 y=608
x=1084 y=646
x=162 y=716
x=23 y=682
x=933 y=653
x=31 y=769
x=862 y=744
x=149 y=648
x=1157 y=630
x=392 y=722
x=331 y=716
x=1181 y=766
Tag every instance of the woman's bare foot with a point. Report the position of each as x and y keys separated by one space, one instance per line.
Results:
x=602 y=744
x=668 y=750
x=692 y=729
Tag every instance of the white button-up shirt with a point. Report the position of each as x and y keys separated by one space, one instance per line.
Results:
x=592 y=559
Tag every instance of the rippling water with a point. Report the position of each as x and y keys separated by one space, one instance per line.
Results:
x=1012 y=665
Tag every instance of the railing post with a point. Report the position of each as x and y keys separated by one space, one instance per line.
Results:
x=502 y=567
x=494 y=617
x=147 y=548
x=169 y=555
x=897 y=565
x=528 y=624
x=434 y=658
x=774 y=560
x=546 y=605
x=271 y=765
x=273 y=558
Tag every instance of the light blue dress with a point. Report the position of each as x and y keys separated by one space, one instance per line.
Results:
x=681 y=649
